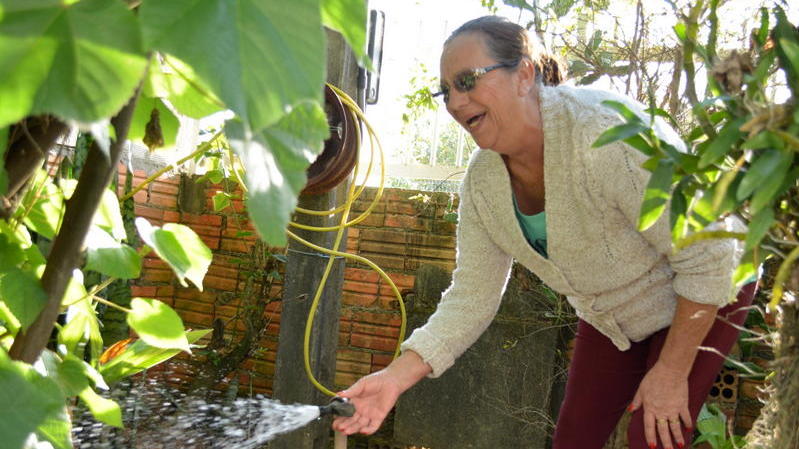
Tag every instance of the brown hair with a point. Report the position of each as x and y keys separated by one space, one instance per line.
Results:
x=509 y=43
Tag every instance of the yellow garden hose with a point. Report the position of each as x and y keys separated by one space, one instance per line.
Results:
x=344 y=209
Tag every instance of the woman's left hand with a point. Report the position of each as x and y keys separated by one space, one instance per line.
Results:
x=663 y=394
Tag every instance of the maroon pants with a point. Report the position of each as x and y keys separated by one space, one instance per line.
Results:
x=603 y=380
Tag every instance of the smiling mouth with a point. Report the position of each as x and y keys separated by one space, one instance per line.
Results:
x=472 y=122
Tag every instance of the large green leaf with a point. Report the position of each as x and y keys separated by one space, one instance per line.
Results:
x=108 y=215
x=57 y=429
x=157 y=324
x=348 y=17
x=763 y=169
x=260 y=58
x=758 y=227
x=656 y=194
x=3 y=145
x=787 y=40
x=111 y=258
x=153 y=109
x=180 y=248
x=177 y=82
x=78 y=60
x=81 y=323
x=44 y=203
x=138 y=356
x=22 y=295
x=721 y=145
x=105 y=410
x=275 y=161
x=28 y=400
x=11 y=253
x=772 y=187
x=619 y=132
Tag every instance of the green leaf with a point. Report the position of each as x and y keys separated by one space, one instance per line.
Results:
x=215 y=176
x=72 y=375
x=619 y=132
x=721 y=145
x=764 y=139
x=762 y=32
x=768 y=164
x=138 y=356
x=770 y=190
x=656 y=194
x=81 y=323
x=680 y=31
x=11 y=253
x=57 y=429
x=679 y=206
x=641 y=144
x=23 y=296
x=28 y=399
x=348 y=17
x=44 y=216
x=272 y=53
x=105 y=410
x=111 y=258
x=179 y=84
x=180 y=248
x=157 y=324
x=623 y=110
x=787 y=46
x=3 y=148
x=108 y=215
x=758 y=227
x=77 y=60
x=143 y=114
x=746 y=269
x=221 y=201
x=275 y=161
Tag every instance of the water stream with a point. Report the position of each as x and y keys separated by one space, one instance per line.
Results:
x=159 y=418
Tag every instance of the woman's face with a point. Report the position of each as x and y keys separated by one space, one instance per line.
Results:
x=490 y=110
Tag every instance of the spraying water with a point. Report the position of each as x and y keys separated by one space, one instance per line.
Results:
x=160 y=418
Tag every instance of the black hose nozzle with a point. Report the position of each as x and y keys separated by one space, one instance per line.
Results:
x=338 y=407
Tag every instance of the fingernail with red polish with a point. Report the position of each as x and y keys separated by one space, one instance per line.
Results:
x=680 y=445
x=630 y=408
x=652 y=445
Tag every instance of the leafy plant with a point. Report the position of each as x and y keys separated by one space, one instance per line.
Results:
x=711 y=424
x=124 y=70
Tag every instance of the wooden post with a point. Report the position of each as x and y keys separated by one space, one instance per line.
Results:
x=303 y=273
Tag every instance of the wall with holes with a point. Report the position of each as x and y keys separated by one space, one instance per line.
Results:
x=406 y=229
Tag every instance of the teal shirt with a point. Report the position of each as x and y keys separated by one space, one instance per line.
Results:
x=534 y=228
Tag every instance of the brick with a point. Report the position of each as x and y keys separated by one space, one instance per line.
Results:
x=380 y=361
x=164 y=187
x=148 y=212
x=430 y=253
x=187 y=305
x=171 y=216
x=353 y=356
x=211 y=242
x=344 y=380
x=361 y=275
x=383 y=248
x=401 y=280
x=388 y=302
x=357 y=299
x=425 y=239
x=140 y=197
x=384 y=318
x=220 y=283
x=402 y=207
x=413 y=264
x=408 y=222
x=370 y=329
x=170 y=180
x=216 y=270
x=442 y=227
x=353 y=232
x=157 y=275
x=234 y=245
x=386 y=262
x=165 y=291
x=143 y=291
x=384 y=235
x=373 y=342
x=374 y=219
x=202 y=219
x=198 y=319
x=153 y=262
x=166 y=201
x=352 y=367
x=361 y=287
x=204 y=230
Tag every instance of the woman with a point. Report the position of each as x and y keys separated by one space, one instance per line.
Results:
x=538 y=193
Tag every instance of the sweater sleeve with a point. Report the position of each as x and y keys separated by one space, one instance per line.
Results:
x=703 y=271
x=470 y=303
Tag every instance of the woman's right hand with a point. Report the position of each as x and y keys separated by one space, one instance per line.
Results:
x=374 y=395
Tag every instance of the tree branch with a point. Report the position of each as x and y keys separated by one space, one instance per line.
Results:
x=66 y=250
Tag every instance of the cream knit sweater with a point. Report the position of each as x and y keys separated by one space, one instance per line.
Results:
x=621 y=281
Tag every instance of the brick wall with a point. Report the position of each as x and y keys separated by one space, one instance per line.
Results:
x=399 y=235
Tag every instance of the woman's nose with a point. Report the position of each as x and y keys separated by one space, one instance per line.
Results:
x=456 y=100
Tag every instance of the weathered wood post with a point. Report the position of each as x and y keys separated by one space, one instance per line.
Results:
x=303 y=273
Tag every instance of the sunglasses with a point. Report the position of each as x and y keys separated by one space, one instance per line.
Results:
x=466 y=80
